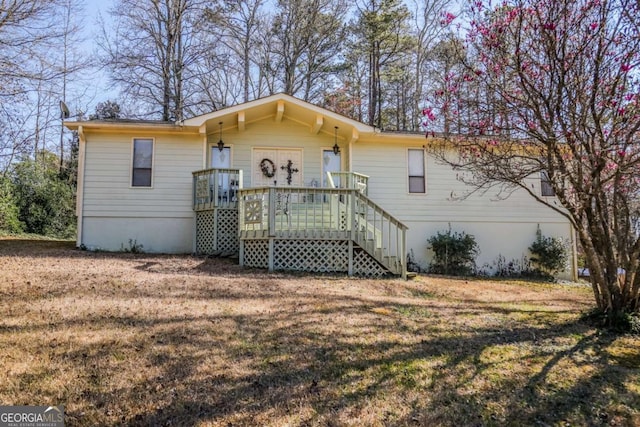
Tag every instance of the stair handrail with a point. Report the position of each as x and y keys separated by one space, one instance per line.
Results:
x=362 y=217
x=385 y=226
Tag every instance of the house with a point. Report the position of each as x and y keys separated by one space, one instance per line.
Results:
x=288 y=185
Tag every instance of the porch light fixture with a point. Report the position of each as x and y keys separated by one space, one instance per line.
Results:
x=336 y=148
x=220 y=143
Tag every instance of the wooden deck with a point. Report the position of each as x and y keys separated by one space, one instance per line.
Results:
x=304 y=228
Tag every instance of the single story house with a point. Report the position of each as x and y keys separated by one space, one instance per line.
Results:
x=288 y=185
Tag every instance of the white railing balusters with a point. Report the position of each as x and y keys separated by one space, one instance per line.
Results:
x=216 y=188
x=343 y=213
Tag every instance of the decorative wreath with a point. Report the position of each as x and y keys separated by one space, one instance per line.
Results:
x=268 y=168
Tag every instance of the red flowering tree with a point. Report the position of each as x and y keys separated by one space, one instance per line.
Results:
x=552 y=87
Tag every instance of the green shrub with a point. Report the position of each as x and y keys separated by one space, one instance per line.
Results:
x=515 y=268
x=9 y=220
x=45 y=202
x=548 y=254
x=626 y=323
x=453 y=253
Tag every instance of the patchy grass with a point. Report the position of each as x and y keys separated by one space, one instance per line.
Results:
x=157 y=340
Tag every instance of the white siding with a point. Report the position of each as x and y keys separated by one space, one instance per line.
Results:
x=161 y=218
x=510 y=240
x=386 y=165
x=114 y=211
x=159 y=235
x=286 y=134
x=505 y=227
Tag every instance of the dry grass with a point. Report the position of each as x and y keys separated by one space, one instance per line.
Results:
x=159 y=340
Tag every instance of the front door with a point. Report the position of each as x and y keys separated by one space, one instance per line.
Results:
x=277 y=166
x=221 y=159
x=330 y=163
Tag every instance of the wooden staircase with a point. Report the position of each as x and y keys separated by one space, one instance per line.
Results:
x=280 y=224
x=317 y=219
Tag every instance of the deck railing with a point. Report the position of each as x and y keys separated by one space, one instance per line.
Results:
x=352 y=180
x=216 y=188
x=380 y=234
x=323 y=213
x=292 y=212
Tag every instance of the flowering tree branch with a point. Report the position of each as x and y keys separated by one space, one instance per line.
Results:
x=553 y=87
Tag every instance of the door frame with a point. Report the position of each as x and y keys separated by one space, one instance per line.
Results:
x=255 y=162
x=322 y=171
x=211 y=146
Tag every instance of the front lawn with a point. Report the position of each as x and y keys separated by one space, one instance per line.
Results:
x=157 y=340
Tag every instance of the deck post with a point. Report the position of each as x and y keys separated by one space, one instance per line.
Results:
x=350 y=268
x=352 y=228
x=241 y=253
x=271 y=231
x=195 y=180
x=271 y=254
x=215 y=188
x=403 y=255
x=352 y=219
x=195 y=232
x=215 y=229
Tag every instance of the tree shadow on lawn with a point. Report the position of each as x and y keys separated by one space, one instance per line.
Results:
x=287 y=367
x=314 y=357
x=36 y=248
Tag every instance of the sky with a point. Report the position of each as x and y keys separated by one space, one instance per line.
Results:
x=100 y=89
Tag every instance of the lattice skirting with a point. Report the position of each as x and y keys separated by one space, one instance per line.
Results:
x=322 y=256
x=205 y=232
x=227 y=230
x=365 y=265
x=220 y=235
x=256 y=253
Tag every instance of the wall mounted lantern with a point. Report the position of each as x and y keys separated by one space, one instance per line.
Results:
x=220 y=142
x=336 y=148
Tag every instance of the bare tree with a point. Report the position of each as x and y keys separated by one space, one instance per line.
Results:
x=24 y=27
x=17 y=45
x=153 y=52
x=429 y=25
x=240 y=25
x=37 y=40
x=308 y=35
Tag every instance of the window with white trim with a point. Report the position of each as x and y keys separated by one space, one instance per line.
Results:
x=142 y=162
x=546 y=189
x=416 y=171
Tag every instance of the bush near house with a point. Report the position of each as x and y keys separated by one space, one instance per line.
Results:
x=548 y=255
x=453 y=253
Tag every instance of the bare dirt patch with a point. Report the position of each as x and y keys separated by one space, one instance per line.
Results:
x=158 y=340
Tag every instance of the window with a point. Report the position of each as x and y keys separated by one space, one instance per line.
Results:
x=220 y=159
x=416 y=171
x=330 y=163
x=142 y=162
x=545 y=184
